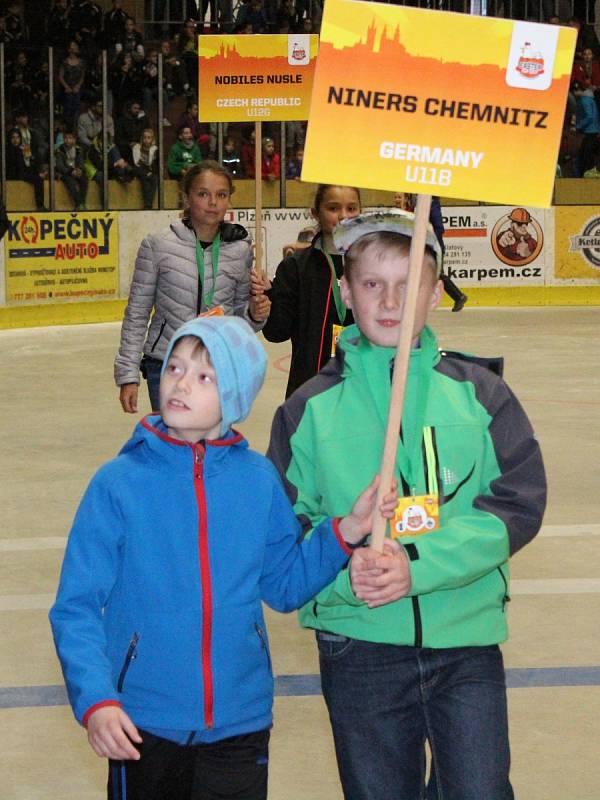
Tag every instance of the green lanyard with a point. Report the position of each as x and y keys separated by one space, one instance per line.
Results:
x=335 y=287
x=214 y=255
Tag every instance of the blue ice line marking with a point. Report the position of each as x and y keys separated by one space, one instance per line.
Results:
x=309 y=685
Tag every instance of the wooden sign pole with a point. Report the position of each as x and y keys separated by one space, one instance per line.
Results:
x=390 y=448
x=258 y=259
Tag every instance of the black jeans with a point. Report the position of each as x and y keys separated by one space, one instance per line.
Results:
x=234 y=768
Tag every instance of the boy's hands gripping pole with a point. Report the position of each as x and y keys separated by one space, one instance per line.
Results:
x=415 y=265
x=359 y=522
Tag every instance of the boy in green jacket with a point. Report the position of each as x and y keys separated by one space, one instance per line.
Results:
x=184 y=153
x=408 y=640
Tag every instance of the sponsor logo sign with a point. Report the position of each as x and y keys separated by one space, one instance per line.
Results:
x=56 y=257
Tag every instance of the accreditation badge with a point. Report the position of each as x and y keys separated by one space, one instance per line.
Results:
x=336 y=332
x=415 y=516
x=215 y=311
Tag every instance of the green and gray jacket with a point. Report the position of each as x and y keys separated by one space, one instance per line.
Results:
x=475 y=442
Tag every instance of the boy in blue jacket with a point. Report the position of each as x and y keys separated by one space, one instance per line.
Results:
x=158 y=620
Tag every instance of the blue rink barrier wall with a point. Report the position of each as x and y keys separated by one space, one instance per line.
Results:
x=66 y=268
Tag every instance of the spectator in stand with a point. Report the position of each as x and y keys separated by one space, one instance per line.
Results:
x=190 y=118
x=226 y=18
x=594 y=172
x=302 y=11
x=587 y=71
x=129 y=128
x=295 y=135
x=34 y=144
x=118 y=168
x=71 y=75
x=231 y=159
x=248 y=155
x=404 y=201
x=241 y=18
x=257 y=17
x=5 y=37
x=125 y=83
x=294 y=167
x=86 y=22
x=15 y=24
x=586 y=37
x=60 y=126
x=186 y=43
x=131 y=42
x=114 y=23
x=145 y=165
x=92 y=84
x=70 y=168
x=89 y=124
x=201 y=130
x=57 y=26
x=205 y=5
x=184 y=153
x=149 y=74
x=20 y=82
x=588 y=125
x=176 y=79
x=41 y=86
x=271 y=162
x=21 y=166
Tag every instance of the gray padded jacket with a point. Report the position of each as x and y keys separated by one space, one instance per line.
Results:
x=166 y=279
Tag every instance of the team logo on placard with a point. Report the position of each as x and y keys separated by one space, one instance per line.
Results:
x=530 y=63
x=299 y=50
x=517 y=238
x=588 y=242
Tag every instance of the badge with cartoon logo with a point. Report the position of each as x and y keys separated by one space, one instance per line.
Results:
x=517 y=238
x=415 y=516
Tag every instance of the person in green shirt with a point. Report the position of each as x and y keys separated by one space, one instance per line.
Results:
x=184 y=153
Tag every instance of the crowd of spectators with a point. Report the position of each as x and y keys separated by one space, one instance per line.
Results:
x=81 y=31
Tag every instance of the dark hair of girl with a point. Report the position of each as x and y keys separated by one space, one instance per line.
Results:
x=322 y=190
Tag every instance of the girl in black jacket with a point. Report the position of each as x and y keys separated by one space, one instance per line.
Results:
x=21 y=166
x=306 y=306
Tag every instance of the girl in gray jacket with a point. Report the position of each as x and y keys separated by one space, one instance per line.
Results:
x=197 y=263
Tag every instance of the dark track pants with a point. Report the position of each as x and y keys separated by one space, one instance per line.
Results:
x=231 y=769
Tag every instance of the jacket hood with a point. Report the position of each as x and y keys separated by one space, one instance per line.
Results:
x=238 y=358
x=229 y=231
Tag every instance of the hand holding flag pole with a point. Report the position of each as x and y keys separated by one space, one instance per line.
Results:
x=388 y=461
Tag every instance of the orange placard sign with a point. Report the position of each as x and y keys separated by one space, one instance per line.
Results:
x=250 y=78
x=438 y=103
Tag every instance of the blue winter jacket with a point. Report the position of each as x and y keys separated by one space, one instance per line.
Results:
x=172 y=550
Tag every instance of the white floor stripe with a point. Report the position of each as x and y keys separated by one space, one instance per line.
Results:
x=58 y=542
x=556 y=586
x=570 y=530
x=33 y=543
x=32 y=602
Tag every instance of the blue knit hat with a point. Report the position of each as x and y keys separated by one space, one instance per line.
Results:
x=238 y=359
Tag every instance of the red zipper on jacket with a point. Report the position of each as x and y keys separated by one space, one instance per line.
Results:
x=324 y=322
x=206 y=588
